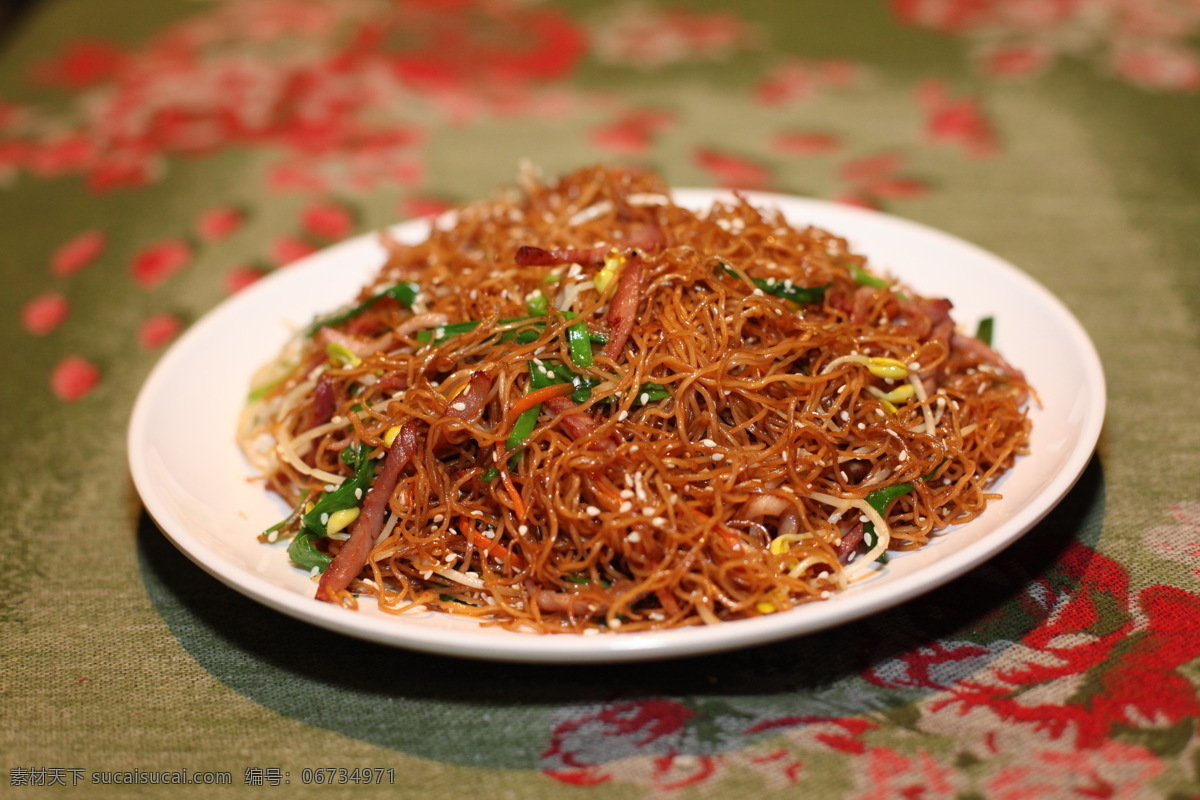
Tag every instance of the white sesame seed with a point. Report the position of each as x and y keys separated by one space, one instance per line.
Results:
x=592 y=511
x=625 y=506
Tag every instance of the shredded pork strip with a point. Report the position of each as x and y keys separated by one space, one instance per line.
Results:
x=351 y=559
x=622 y=310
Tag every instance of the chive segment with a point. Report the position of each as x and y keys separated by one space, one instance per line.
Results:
x=404 y=293
x=986 y=330
x=801 y=295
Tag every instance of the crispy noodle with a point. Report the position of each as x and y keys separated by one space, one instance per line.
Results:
x=580 y=406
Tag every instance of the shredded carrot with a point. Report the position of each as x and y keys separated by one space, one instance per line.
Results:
x=605 y=487
x=667 y=601
x=518 y=503
x=727 y=535
x=488 y=546
x=537 y=397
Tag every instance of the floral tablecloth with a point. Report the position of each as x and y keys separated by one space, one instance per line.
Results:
x=157 y=156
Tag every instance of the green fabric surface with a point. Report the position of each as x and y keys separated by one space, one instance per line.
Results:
x=117 y=653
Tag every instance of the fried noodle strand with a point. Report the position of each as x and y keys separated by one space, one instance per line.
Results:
x=597 y=409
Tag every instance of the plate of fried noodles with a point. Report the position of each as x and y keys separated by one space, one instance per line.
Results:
x=592 y=418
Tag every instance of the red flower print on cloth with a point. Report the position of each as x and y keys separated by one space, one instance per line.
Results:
x=73 y=378
x=648 y=37
x=82 y=63
x=328 y=221
x=157 y=262
x=961 y=122
x=1179 y=540
x=875 y=178
x=288 y=249
x=415 y=207
x=935 y=666
x=654 y=742
x=61 y=155
x=633 y=132
x=1112 y=770
x=219 y=222
x=44 y=313
x=800 y=81
x=340 y=93
x=1148 y=43
x=1104 y=658
x=157 y=330
x=78 y=253
x=579 y=746
x=1161 y=66
x=731 y=171
x=806 y=143
x=239 y=278
x=885 y=774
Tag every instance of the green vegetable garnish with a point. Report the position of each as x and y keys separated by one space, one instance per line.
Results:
x=347 y=495
x=650 y=393
x=802 y=295
x=880 y=499
x=444 y=332
x=579 y=345
x=524 y=426
x=985 y=330
x=303 y=551
x=864 y=278
x=404 y=293
x=536 y=303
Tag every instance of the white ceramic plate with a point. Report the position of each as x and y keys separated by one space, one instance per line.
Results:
x=194 y=481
